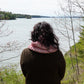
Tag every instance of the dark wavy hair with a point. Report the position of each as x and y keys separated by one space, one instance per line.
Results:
x=43 y=33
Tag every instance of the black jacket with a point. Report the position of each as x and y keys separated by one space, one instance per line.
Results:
x=41 y=68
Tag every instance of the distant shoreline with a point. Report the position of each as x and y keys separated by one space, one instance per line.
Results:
x=10 y=16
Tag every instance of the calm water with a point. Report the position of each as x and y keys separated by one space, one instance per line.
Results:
x=19 y=38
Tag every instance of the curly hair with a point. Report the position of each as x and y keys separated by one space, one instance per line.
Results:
x=43 y=33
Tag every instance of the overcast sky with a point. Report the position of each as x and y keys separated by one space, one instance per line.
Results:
x=40 y=7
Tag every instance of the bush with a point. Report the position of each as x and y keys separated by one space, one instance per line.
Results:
x=9 y=75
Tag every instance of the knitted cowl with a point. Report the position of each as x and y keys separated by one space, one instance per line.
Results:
x=38 y=47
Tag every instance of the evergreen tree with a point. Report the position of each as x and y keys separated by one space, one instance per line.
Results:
x=81 y=43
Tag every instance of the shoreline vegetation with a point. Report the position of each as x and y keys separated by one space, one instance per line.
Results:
x=10 y=16
x=71 y=76
x=10 y=75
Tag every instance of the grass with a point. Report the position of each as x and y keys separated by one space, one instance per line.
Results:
x=70 y=76
x=9 y=75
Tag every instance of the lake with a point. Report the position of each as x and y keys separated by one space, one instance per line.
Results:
x=19 y=31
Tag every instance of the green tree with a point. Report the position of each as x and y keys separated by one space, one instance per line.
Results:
x=81 y=43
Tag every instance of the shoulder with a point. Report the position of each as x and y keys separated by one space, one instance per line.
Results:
x=26 y=50
x=59 y=52
x=26 y=53
x=26 y=56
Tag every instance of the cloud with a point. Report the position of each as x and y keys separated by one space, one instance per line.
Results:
x=30 y=6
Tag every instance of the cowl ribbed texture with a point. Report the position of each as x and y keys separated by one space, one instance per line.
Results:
x=36 y=46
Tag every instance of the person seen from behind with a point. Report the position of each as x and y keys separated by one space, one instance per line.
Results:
x=43 y=62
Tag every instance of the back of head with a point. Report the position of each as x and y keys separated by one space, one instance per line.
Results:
x=43 y=33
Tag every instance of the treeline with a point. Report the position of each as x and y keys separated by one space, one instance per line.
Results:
x=9 y=16
x=6 y=15
x=22 y=16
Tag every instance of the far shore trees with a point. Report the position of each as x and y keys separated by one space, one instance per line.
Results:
x=10 y=16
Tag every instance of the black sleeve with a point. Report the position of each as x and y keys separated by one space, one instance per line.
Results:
x=22 y=63
x=62 y=65
x=25 y=61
